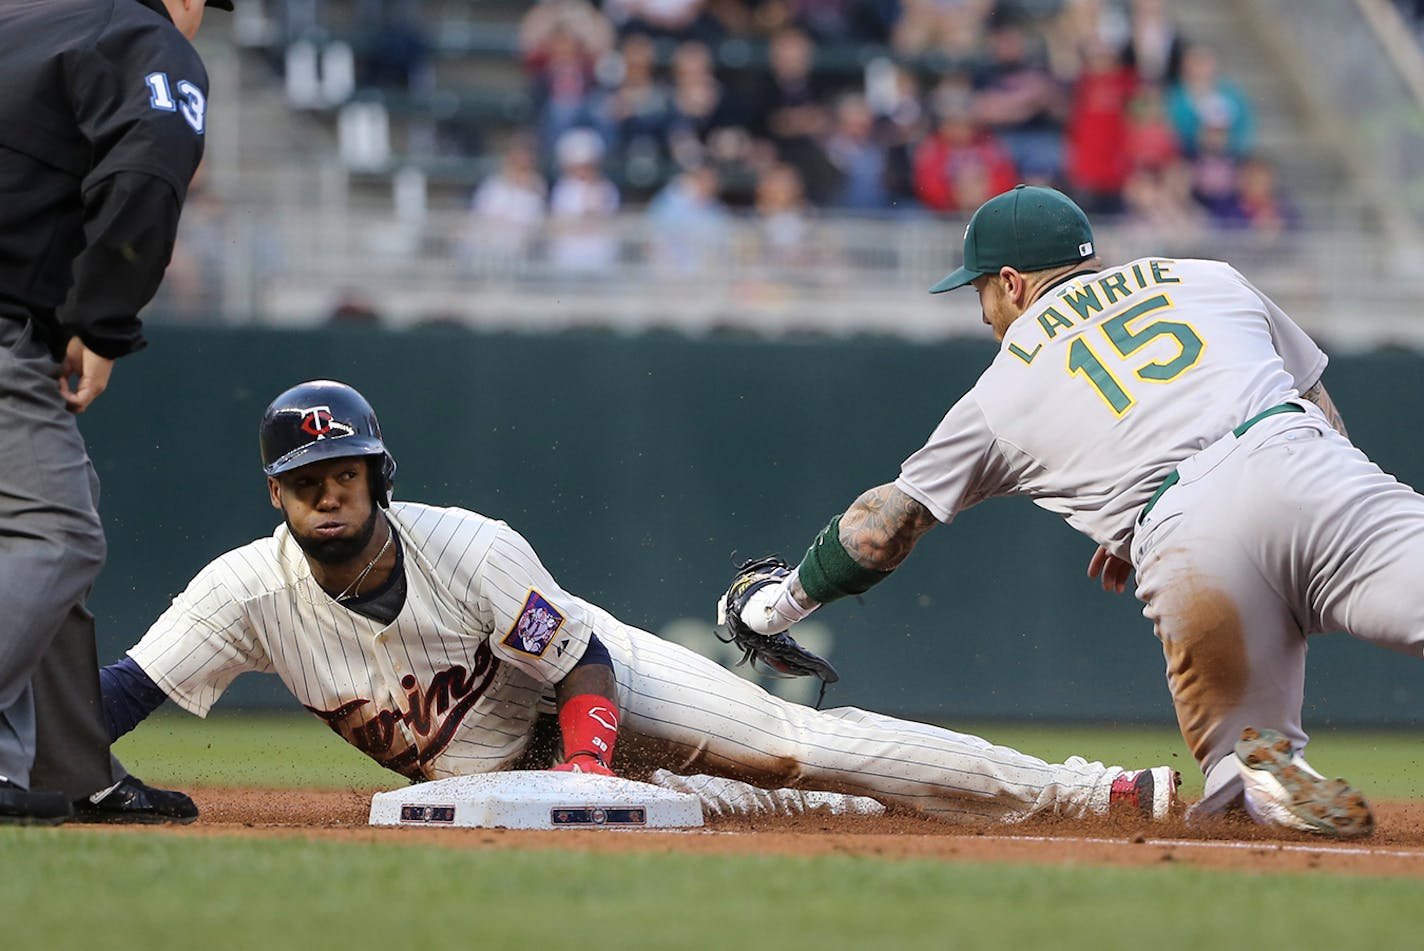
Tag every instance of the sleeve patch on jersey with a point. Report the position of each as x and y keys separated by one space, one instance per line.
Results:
x=535 y=627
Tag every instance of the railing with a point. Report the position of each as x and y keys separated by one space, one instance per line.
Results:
x=294 y=266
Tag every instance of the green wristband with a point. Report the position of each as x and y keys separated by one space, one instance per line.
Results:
x=829 y=573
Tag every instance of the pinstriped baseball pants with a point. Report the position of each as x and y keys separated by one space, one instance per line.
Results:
x=687 y=714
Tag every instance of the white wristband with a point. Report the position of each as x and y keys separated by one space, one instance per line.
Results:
x=772 y=609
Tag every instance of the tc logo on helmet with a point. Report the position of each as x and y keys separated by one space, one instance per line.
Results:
x=319 y=423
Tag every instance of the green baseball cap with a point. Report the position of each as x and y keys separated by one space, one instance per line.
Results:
x=1029 y=228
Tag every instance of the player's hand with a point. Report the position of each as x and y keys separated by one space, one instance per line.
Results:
x=1114 y=570
x=751 y=600
x=766 y=640
x=91 y=369
x=583 y=763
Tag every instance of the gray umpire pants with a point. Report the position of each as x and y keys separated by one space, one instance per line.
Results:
x=52 y=730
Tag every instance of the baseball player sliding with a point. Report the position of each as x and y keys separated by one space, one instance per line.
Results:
x=1173 y=414
x=432 y=639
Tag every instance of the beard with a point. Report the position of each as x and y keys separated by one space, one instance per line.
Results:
x=335 y=551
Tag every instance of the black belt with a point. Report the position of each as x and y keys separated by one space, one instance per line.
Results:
x=1239 y=431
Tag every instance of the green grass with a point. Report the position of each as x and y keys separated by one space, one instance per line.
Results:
x=237 y=749
x=149 y=891
x=68 y=889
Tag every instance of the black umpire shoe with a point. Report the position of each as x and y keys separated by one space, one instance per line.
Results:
x=133 y=801
x=35 y=807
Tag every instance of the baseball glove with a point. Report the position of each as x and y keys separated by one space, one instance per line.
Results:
x=779 y=653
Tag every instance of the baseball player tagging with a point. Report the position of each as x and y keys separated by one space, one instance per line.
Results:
x=451 y=675
x=1171 y=412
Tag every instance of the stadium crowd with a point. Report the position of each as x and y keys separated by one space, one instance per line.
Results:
x=878 y=106
x=698 y=115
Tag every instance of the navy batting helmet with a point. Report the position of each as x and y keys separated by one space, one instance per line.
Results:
x=323 y=419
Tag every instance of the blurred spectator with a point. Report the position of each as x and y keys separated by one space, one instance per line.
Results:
x=562 y=42
x=893 y=94
x=1203 y=97
x=743 y=18
x=858 y=150
x=1154 y=43
x=738 y=159
x=1259 y=204
x=781 y=213
x=582 y=206
x=354 y=308
x=641 y=110
x=1076 y=25
x=1021 y=102
x=834 y=21
x=1160 y=209
x=950 y=28
x=793 y=113
x=830 y=22
x=960 y=161
x=700 y=103
x=1151 y=139
x=1097 y=161
x=640 y=104
x=397 y=49
x=665 y=19
x=508 y=209
x=578 y=18
x=825 y=20
x=690 y=225
x=1214 y=172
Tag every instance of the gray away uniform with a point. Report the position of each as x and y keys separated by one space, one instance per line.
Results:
x=1115 y=380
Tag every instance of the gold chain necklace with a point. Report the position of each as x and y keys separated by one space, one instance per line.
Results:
x=354 y=586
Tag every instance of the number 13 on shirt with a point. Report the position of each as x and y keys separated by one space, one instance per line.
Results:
x=1084 y=359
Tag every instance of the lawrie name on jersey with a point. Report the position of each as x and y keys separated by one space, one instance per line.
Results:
x=1088 y=299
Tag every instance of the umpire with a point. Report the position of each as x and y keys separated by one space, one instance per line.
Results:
x=102 y=112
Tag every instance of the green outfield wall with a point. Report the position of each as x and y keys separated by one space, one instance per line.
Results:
x=644 y=468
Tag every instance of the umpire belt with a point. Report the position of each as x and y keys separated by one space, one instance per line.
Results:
x=1173 y=478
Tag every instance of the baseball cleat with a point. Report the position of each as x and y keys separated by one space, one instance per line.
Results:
x=132 y=801
x=1150 y=792
x=1282 y=790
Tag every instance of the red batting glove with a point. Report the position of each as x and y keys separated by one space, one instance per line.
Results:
x=583 y=763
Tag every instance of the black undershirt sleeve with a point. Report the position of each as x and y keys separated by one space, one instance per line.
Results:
x=129 y=696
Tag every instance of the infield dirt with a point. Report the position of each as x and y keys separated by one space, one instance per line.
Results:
x=1396 y=848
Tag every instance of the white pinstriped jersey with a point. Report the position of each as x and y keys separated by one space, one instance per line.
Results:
x=1105 y=385
x=452 y=686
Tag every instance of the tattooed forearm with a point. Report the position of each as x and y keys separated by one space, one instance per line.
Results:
x=1317 y=395
x=881 y=527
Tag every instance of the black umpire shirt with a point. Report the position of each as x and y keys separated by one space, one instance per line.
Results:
x=102 y=110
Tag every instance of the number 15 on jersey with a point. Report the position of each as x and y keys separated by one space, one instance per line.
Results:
x=1125 y=341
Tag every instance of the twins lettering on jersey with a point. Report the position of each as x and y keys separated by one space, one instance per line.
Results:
x=432 y=714
x=535 y=627
x=189 y=102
